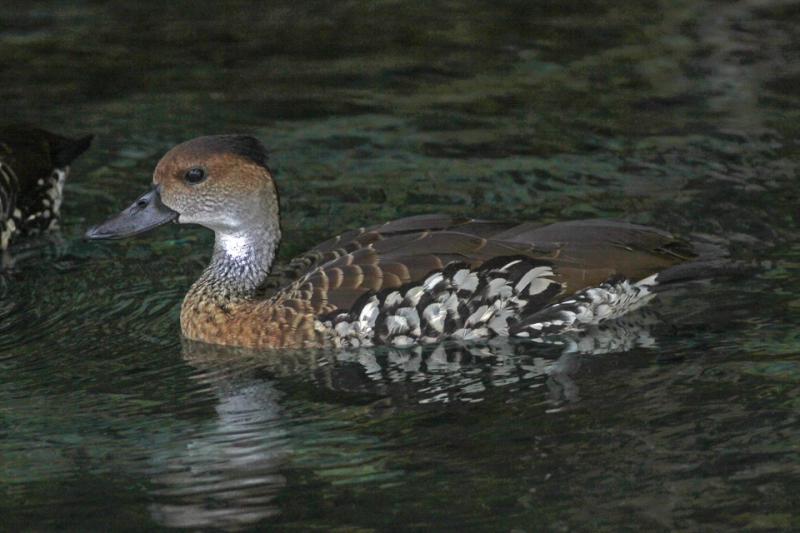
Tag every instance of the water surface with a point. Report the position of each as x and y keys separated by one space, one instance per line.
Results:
x=683 y=417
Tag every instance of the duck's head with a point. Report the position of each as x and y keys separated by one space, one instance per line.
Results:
x=221 y=182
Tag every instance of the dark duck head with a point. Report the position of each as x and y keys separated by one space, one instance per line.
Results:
x=34 y=165
x=418 y=279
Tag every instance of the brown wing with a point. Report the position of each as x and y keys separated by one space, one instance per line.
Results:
x=583 y=253
x=593 y=250
x=283 y=275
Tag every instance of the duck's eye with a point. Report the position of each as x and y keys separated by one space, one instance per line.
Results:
x=194 y=175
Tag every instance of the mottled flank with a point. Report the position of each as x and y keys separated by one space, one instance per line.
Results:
x=507 y=296
x=453 y=302
x=591 y=306
x=9 y=214
x=420 y=279
x=34 y=165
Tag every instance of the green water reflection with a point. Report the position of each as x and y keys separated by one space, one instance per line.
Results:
x=681 y=114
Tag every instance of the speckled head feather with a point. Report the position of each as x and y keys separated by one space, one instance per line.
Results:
x=236 y=190
x=245 y=146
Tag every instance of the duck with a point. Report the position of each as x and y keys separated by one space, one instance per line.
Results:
x=34 y=166
x=415 y=280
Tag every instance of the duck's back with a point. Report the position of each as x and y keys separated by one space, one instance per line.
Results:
x=419 y=266
x=34 y=164
x=582 y=252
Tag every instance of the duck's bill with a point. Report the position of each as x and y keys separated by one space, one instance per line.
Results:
x=144 y=214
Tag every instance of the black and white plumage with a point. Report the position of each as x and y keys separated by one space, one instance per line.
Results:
x=506 y=296
x=34 y=165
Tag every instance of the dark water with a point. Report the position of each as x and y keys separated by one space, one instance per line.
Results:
x=680 y=114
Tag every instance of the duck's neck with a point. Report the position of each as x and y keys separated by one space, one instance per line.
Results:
x=240 y=264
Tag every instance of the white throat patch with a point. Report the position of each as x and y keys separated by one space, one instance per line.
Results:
x=236 y=246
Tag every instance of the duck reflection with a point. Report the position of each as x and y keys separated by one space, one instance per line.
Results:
x=228 y=473
x=455 y=372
